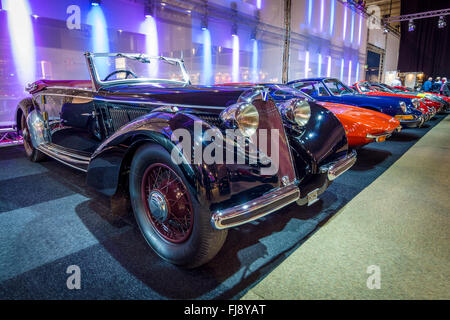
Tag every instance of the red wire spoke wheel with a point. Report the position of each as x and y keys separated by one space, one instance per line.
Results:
x=173 y=221
x=167 y=203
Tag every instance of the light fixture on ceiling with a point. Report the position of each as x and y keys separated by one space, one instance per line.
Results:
x=204 y=23
x=234 y=30
x=411 y=26
x=149 y=9
x=95 y=3
x=253 y=34
x=441 y=23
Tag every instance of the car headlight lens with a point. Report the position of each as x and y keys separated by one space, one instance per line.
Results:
x=403 y=106
x=416 y=103
x=247 y=119
x=297 y=111
x=243 y=115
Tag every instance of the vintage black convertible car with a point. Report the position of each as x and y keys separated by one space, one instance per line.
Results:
x=138 y=129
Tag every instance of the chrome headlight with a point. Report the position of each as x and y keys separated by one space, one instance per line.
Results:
x=243 y=115
x=403 y=106
x=416 y=103
x=297 y=111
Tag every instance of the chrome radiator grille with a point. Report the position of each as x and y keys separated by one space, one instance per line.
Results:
x=270 y=118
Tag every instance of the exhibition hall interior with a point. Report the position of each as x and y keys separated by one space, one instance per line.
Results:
x=252 y=150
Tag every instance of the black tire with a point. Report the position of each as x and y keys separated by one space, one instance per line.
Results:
x=203 y=242
x=32 y=153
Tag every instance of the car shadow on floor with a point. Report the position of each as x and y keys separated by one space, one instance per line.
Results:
x=250 y=252
x=367 y=158
x=404 y=137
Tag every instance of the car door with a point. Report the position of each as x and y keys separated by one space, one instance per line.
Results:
x=73 y=121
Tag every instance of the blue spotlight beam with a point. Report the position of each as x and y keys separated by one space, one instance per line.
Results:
x=21 y=34
x=207 y=58
x=235 y=68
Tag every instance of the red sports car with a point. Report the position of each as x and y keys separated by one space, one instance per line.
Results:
x=363 y=126
x=423 y=94
x=426 y=106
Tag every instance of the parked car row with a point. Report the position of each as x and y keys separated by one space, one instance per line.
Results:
x=194 y=161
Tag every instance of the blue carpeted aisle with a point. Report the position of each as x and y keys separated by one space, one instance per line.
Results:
x=50 y=219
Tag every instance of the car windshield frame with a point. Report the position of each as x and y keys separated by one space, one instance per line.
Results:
x=392 y=89
x=348 y=90
x=365 y=84
x=381 y=88
x=299 y=85
x=136 y=57
x=288 y=90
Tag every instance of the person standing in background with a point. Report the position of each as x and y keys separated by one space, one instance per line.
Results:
x=428 y=85
x=446 y=88
x=437 y=85
x=444 y=80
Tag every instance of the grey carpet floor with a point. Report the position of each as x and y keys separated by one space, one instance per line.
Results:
x=398 y=226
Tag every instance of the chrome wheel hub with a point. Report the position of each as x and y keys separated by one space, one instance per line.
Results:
x=158 y=206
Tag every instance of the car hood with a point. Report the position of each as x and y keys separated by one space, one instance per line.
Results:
x=219 y=96
x=354 y=116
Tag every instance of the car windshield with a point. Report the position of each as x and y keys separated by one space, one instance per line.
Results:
x=312 y=88
x=112 y=67
x=365 y=87
x=337 y=88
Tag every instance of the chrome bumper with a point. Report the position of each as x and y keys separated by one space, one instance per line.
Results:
x=274 y=200
x=379 y=137
x=256 y=208
x=337 y=168
x=417 y=122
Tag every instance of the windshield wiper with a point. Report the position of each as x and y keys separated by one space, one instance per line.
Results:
x=174 y=63
x=140 y=58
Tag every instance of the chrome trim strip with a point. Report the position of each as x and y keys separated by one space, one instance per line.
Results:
x=256 y=208
x=58 y=150
x=133 y=101
x=374 y=136
x=160 y=104
x=63 y=157
x=84 y=89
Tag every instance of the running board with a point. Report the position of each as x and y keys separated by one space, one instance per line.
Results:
x=72 y=158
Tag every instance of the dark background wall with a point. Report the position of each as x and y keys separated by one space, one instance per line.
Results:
x=427 y=48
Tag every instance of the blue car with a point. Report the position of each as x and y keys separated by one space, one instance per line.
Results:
x=333 y=90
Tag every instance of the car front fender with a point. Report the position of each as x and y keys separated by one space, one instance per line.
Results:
x=109 y=164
